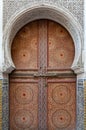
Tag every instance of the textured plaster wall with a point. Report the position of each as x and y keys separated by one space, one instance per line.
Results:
x=12 y=6
x=1 y=6
x=1 y=34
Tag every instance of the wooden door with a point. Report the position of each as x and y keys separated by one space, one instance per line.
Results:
x=43 y=86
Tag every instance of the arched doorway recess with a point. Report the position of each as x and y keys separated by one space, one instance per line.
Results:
x=43 y=86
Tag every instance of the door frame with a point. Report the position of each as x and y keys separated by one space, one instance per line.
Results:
x=26 y=15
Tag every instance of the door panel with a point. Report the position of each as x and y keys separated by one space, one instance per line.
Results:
x=61 y=47
x=25 y=47
x=61 y=106
x=43 y=86
x=23 y=106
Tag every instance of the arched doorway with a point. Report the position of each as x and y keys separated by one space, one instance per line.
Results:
x=43 y=86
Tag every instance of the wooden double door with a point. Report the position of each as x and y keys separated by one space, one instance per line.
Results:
x=43 y=86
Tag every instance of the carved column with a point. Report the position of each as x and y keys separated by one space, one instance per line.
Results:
x=85 y=104
x=0 y=103
x=80 y=102
x=5 y=102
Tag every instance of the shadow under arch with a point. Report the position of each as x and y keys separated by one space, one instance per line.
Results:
x=26 y=15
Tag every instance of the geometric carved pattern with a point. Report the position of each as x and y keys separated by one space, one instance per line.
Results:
x=24 y=95
x=61 y=94
x=23 y=119
x=24 y=54
x=24 y=47
x=42 y=114
x=61 y=119
x=61 y=105
x=61 y=46
x=23 y=105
